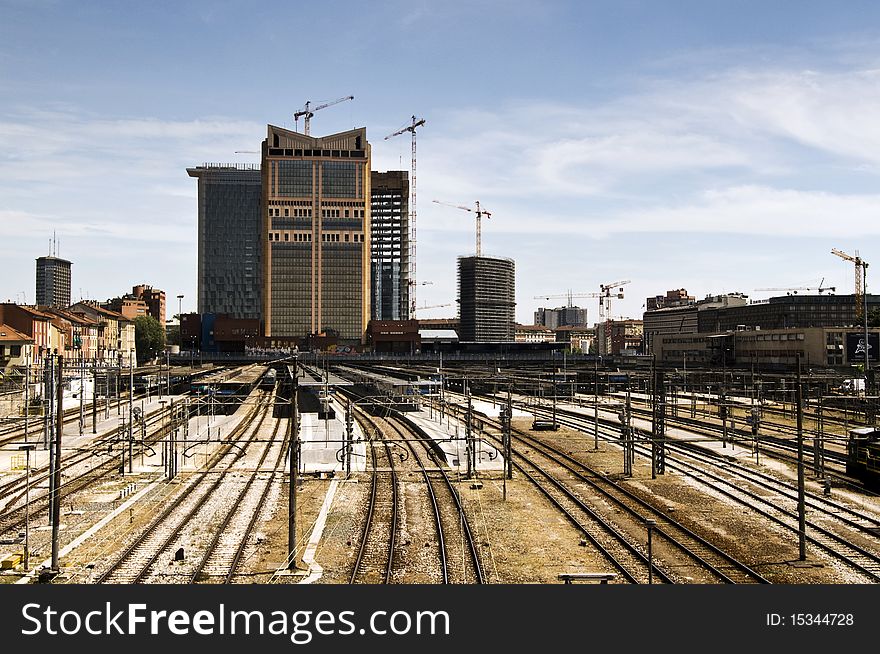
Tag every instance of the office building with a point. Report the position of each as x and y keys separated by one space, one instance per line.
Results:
x=316 y=236
x=486 y=299
x=229 y=239
x=389 y=247
x=53 y=282
x=561 y=316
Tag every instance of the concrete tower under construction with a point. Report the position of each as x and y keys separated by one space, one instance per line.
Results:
x=389 y=234
x=486 y=299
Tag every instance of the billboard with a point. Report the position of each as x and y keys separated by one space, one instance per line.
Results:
x=855 y=347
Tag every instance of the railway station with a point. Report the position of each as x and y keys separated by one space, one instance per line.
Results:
x=395 y=456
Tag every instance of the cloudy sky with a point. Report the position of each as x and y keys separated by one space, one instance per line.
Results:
x=699 y=144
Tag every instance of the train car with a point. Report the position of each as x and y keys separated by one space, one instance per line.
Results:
x=863 y=455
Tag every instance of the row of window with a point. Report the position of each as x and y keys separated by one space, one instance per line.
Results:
x=306 y=237
x=298 y=152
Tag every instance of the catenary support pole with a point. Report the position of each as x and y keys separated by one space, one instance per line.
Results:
x=56 y=473
x=802 y=528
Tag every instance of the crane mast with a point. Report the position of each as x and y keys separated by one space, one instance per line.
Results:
x=411 y=128
x=861 y=271
x=479 y=213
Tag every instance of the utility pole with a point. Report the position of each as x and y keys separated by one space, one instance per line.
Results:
x=27 y=398
x=349 y=438
x=130 y=409
x=27 y=447
x=654 y=425
x=293 y=445
x=628 y=444
x=467 y=431
x=56 y=473
x=82 y=391
x=95 y=400
x=802 y=526
x=596 y=407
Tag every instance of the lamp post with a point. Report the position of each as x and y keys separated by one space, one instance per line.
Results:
x=27 y=447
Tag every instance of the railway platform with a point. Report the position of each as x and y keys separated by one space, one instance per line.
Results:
x=11 y=458
x=449 y=434
x=322 y=442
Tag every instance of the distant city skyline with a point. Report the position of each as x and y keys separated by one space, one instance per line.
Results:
x=716 y=147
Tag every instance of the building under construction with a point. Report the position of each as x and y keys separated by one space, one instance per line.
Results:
x=389 y=249
x=486 y=299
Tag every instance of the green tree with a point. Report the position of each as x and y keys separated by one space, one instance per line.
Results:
x=874 y=318
x=149 y=337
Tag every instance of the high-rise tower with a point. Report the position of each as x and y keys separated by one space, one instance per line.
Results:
x=316 y=236
x=229 y=241
x=487 y=299
x=53 y=282
x=389 y=234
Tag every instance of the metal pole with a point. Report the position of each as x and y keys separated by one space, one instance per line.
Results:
x=82 y=382
x=130 y=410
x=95 y=400
x=596 y=406
x=56 y=505
x=467 y=432
x=651 y=524
x=653 y=416
x=293 y=425
x=865 y=312
x=27 y=402
x=27 y=509
x=802 y=527
x=507 y=452
x=349 y=437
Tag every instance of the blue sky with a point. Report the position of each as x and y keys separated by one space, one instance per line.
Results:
x=714 y=146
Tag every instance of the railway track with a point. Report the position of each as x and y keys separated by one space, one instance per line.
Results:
x=220 y=561
x=136 y=561
x=585 y=495
x=461 y=564
x=774 y=499
x=96 y=460
x=374 y=563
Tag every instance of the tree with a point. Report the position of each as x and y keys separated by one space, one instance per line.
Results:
x=149 y=337
x=874 y=318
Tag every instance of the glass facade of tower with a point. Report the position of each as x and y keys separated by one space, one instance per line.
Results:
x=53 y=282
x=230 y=246
x=316 y=213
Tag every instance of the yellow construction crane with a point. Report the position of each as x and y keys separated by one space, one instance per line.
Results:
x=860 y=278
x=308 y=111
x=479 y=213
x=411 y=128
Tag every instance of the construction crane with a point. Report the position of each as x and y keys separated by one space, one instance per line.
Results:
x=478 y=211
x=308 y=111
x=568 y=296
x=431 y=306
x=860 y=278
x=411 y=128
x=606 y=294
x=794 y=290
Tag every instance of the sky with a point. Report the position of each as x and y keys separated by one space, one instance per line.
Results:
x=699 y=144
